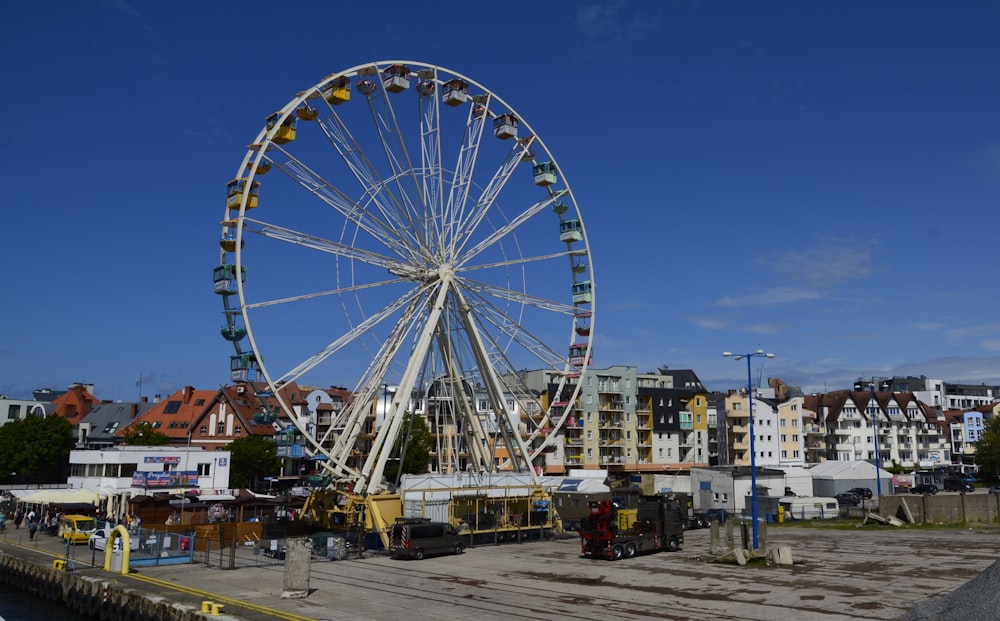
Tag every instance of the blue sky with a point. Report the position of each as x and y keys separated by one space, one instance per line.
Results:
x=817 y=179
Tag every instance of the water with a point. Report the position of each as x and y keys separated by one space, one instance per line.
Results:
x=17 y=605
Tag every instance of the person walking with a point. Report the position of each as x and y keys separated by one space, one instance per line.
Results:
x=32 y=529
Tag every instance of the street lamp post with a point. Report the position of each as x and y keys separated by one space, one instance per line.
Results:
x=753 y=448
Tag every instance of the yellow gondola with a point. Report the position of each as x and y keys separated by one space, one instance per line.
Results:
x=284 y=131
x=338 y=91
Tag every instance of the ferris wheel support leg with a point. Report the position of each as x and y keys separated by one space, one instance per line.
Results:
x=519 y=451
x=374 y=467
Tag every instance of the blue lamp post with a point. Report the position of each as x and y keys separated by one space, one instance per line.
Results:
x=878 y=459
x=753 y=448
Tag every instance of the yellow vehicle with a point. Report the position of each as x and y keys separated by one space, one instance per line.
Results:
x=77 y=528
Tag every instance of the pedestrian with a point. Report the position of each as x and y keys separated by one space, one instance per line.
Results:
x=18 y=516
x=32 y=528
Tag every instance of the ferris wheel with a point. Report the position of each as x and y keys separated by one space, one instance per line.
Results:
x=401 y=231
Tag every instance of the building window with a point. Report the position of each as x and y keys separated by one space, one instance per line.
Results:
x=204 y=470
x=203 y=430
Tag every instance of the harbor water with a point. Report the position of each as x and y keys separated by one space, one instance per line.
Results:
x=17 y=605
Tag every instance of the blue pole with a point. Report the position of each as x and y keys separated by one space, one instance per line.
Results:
x=753 y=457
x=878 y=459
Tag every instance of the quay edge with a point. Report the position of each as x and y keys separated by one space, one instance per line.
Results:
x=93 y=593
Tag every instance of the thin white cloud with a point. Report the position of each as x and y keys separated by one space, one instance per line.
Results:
x=613 y=20
x=764 y=328
x=599 y=20
x=770 y=297
x=708 y=323
x=990 y=344
x=831 y=262
x=982 y=330
x=928 y=326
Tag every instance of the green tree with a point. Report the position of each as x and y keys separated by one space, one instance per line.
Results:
x=988 y=452
x=35 y=450
x=419 y=443
x=252 y=459
x=143 y=434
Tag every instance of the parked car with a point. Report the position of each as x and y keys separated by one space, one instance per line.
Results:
x=99 y=541
x=924 y=488
x=955 y=484
x=995 y=489
x=848 y=498
x=862 y=492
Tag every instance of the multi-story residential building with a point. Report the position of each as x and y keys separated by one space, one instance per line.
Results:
x=766 y=426
x=628 y=422
x=938 y=393
x=791 y=432
x=909 y=431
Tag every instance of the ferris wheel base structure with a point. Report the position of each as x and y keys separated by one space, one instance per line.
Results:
x=486 y=508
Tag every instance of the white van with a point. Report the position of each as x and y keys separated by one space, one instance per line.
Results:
x=809 y=507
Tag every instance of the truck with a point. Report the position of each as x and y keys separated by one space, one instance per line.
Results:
x=658 y=525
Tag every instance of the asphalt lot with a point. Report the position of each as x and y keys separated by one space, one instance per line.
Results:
x=866 y=573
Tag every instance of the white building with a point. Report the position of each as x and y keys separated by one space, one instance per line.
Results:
x=120 y=473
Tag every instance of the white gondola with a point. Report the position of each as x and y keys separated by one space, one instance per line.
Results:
x=570 y=231
x=505 y=126
x=455 y=92
x=545 y=173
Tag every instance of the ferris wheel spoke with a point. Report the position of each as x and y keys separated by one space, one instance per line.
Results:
x=510 y=327
x=347 y=338
x=378 y=224
x=299 y=238
x=464 y=168
x=318 y=294
x=397 y=158
x=469 y=223
x=518 y=296
x=518 y=261
x=431 y=174
x=371 y=182
x=505 y=230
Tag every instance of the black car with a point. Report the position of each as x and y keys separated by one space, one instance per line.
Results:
x=955 y=484
x=924 y=488
x=848 y=498
x=863 y=492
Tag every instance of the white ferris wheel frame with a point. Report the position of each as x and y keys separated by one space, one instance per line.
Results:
x=395 y=223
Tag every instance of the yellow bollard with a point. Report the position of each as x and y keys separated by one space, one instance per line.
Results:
x=59 y=564
x=206 y=606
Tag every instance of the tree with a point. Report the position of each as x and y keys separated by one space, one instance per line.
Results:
x=143 y=434
x=419 y=443
x=988 y=451
x=252 y=457
x=35 y=450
